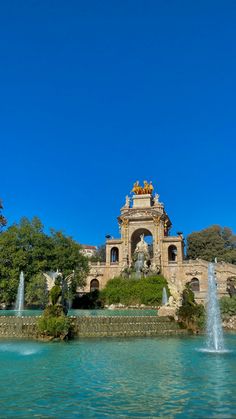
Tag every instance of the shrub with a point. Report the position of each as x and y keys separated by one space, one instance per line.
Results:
x=55 y=293
x=55 y=327
x=146 y=291
x=90 y=300
x=191 y=314
x=228 y=306
x=54 y=323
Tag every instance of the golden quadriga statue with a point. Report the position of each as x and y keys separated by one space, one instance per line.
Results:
x=147 y=188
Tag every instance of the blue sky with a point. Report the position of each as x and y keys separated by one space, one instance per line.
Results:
x=95 y=95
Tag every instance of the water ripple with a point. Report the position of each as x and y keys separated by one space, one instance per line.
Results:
x=117 y=378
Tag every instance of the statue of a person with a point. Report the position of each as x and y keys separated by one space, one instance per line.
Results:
x=151 y=188
x=146 y=187
x=156 y=199
x=127 y=202
x=142 y=247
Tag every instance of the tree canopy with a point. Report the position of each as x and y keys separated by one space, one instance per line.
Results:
x=3 y=220
x=212 y=242
x=26 y=247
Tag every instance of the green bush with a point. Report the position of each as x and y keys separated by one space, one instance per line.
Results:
x=55 y=293
x=90 y=301
x=54 y=311
x=191 y=314
x=146 y=291
x=228 y=306
x=54 y=323
x=55 y=327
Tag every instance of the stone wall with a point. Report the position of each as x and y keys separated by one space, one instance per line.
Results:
x=18 y=327
x=178 y=274
x=114 y=326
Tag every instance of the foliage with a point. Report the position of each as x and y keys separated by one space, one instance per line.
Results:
x=55 y=293
x=191 y=314
x=36 y=293
x=3 y=220
x=100 y=254
x=90 y=300
x=55 y=310
x=55 y=327
x=228 y=306
x=54 y=324
x=188 y=297
x=146 y=291
x=214 y=241
x=26 y=247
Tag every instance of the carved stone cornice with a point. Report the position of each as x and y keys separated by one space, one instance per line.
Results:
x=193 y=273
x=138 y=213
x=95 y=272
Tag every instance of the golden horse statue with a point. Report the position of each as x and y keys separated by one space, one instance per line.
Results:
x=146 y=189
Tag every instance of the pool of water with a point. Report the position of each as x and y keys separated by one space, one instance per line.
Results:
x=104 y=312
x=117 y=378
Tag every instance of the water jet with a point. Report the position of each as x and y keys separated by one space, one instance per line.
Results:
x=215 y=339
x=19 y=306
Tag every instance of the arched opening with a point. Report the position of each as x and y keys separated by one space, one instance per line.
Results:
x=94 y=285
x=194 y=285
x=135 y=238
x=114 y=255
x=172 y=253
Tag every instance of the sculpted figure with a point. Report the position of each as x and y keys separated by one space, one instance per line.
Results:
x=127 y=201
x=142 y=246
x=155 y=269
x=146 y=187
x=151 y=188
x=51 y=278
x=136 y=188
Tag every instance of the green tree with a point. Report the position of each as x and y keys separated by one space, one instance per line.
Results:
x=67 y=258
x=26 y=247
x=3 y=220
x=228 y=306
x=214 y=241
x=36 y=291
x=100 y=254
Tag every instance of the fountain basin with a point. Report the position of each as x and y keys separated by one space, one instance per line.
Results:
x=157 y=378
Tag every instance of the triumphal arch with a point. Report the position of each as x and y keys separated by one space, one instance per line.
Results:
x=146 y=247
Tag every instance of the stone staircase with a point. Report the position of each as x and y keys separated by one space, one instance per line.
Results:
x=122 y=326
x=95 y=326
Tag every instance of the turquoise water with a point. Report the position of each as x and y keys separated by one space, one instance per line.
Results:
x=104 y=312
x=117 y=378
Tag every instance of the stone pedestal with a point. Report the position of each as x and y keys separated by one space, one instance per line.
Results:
x=142 y=201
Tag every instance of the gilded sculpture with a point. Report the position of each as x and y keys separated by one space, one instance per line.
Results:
x=147 y=188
